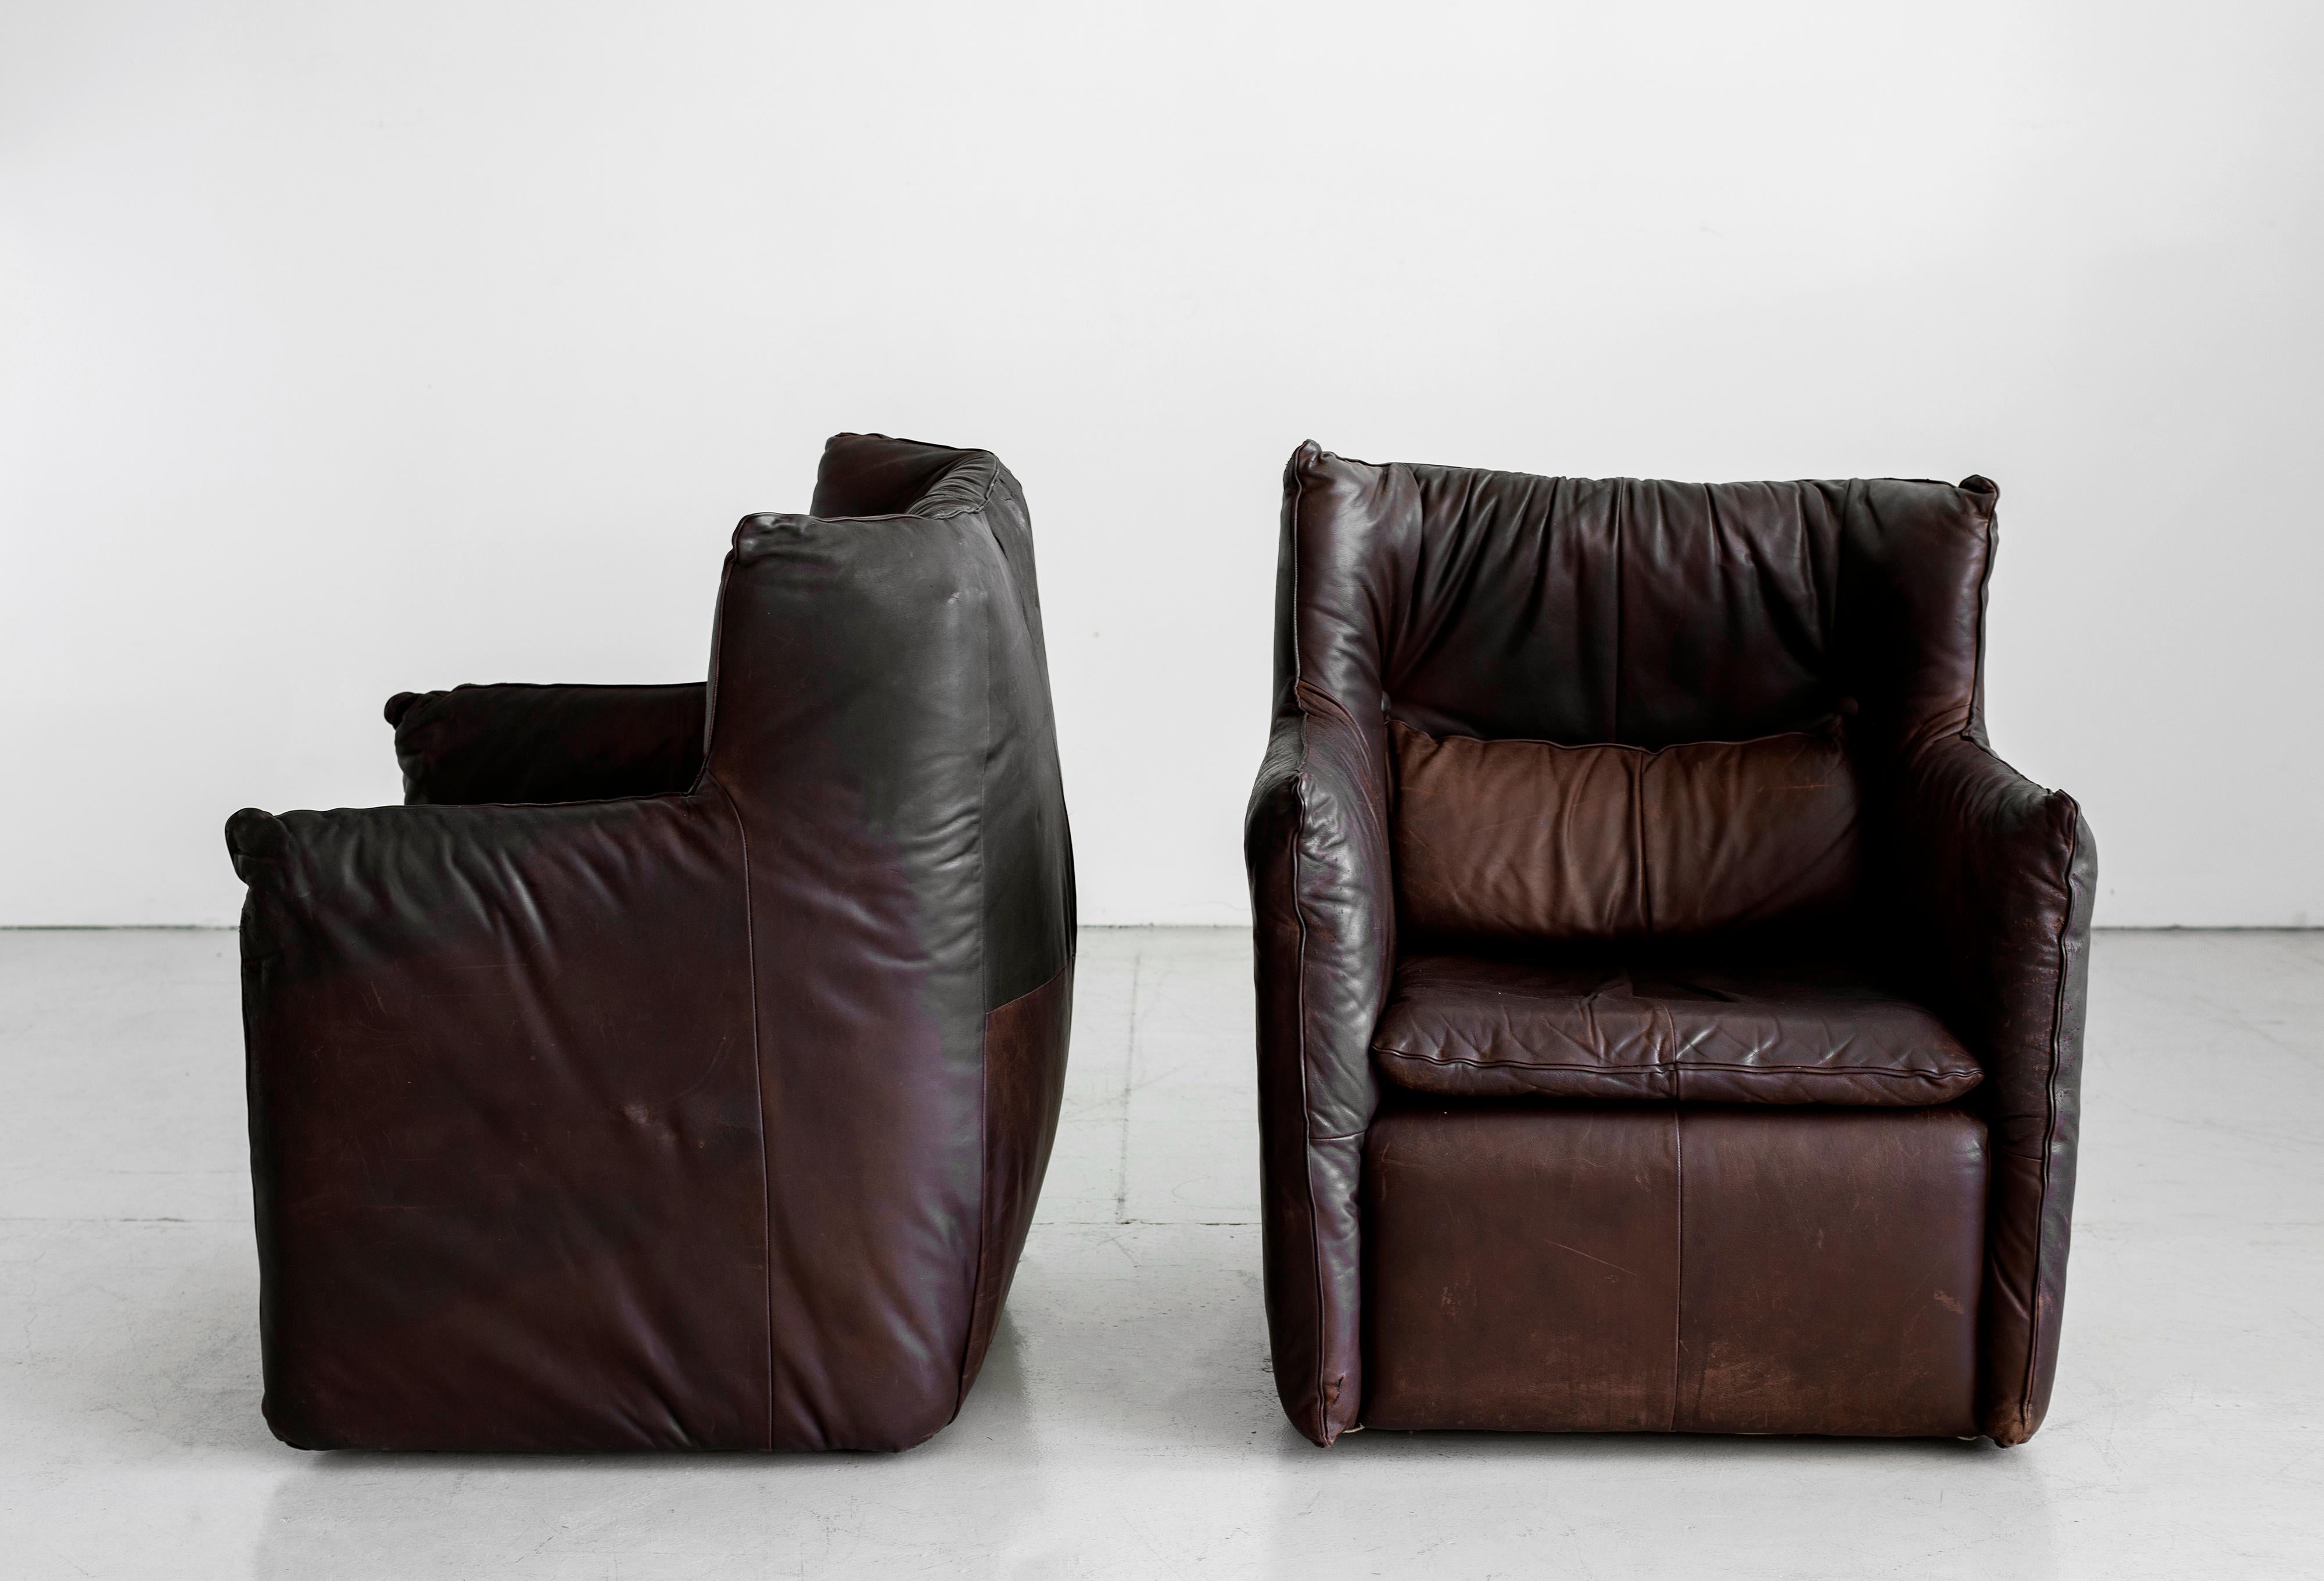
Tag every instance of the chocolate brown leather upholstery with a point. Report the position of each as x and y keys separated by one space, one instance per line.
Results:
x=1822 y=1267
x=547 y=742
x=1500 y=607
x=703 y=1102
x=1620 y=843
x=1812 y=1031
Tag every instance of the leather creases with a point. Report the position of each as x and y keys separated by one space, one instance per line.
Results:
x=1706 y=1029
x=1529 y=839
x=702 y=1100
x=1866 y=942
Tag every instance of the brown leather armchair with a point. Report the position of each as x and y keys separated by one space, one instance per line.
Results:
x=1670 y=1010
x=679 y=1070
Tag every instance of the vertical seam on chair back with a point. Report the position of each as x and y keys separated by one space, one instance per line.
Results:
x=759 y=1088
x=983 y=971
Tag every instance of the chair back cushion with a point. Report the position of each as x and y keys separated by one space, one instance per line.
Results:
x=1531 y=840
x=1502 y=606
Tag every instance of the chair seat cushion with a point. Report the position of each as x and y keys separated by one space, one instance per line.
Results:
x=1477 y=1026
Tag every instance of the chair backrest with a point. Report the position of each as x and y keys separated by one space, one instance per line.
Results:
x=880 y=719
x=880 y=711
x=1631 y=612
x=1581 y=611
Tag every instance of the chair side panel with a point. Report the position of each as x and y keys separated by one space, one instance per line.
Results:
x=504 y=1130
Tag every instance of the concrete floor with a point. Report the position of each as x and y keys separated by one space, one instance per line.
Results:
x=1126 y=1424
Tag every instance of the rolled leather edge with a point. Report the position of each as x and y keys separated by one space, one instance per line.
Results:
x=1323 y=938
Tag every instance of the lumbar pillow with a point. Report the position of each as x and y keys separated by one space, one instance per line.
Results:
x=1527 y=839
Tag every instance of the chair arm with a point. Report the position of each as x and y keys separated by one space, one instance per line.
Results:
x=1999 y=876
x=514 y=743
x=1323 y=912
x=505 y=1126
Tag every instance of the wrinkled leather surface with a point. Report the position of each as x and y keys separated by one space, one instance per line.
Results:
x=1704 y=1030
x=1587 y=610
x=889 y=833
x=507 y=1182
x=1324 y=936
x=1996 y=877
x=1527 y=839
x=514 y=743
x=1582 y=611
x=710 y=1119
x=1601 y=1267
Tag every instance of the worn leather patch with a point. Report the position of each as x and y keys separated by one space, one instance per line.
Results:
x=1024 y=1043
x=1612 y=1268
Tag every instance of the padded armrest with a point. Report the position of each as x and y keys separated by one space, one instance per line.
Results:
x=1323 y=908
x=516 y=743
x=505 y=1126
x=1999 y=878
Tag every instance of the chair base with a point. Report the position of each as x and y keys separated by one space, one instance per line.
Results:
x=1635 y=1268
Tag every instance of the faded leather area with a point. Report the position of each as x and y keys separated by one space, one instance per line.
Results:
x=1024 y=1043
x=1529 y=839
x=1611 y=1268
x=1802 y=1032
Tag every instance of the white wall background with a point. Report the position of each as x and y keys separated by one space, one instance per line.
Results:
x=349 y=349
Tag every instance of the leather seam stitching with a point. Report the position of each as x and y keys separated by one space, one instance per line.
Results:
x=1670 y=1065
x=983 y=1201
x=1306 y=1160
x=1678 y=1283
x=759 y=1090
x=1012 y=1004
x=984 y=993
x=985 y=1221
